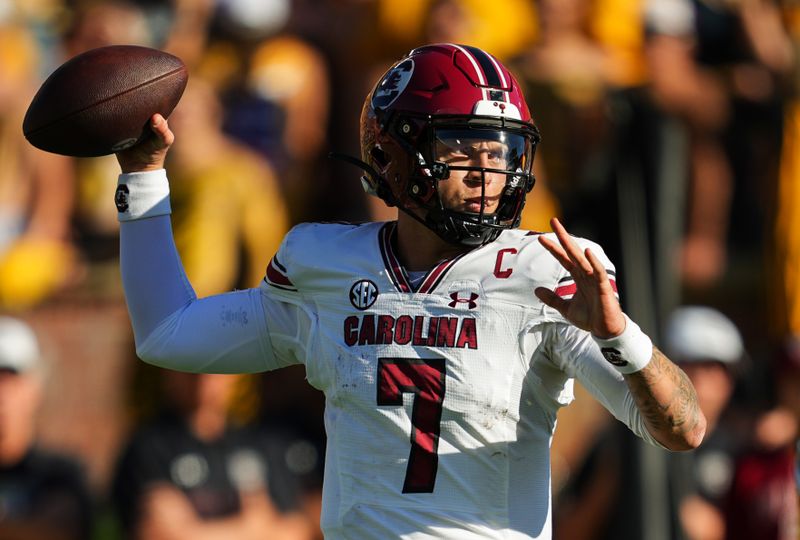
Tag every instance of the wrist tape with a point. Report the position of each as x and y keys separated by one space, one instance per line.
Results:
x=630 y=351
x=142 y=195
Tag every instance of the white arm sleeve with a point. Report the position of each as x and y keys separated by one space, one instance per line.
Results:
x=575 y=352
x=173 y=329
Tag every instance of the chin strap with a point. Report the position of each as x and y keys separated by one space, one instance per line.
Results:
x=380 y=190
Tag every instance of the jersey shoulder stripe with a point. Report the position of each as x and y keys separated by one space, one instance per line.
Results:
x=566 y=287
x=276 y=276
x=313 y=253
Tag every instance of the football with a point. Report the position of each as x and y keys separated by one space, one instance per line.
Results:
x=100 y=102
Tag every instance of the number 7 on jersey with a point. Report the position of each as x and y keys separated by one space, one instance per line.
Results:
x=425 y=378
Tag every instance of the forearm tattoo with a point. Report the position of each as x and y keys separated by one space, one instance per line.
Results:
x=665 y=397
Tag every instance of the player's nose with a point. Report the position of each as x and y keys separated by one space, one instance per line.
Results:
x=476 y=177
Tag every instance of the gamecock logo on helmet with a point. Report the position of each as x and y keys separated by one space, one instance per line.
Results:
x=393 y=84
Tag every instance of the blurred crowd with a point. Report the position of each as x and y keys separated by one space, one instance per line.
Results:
x=671 y=135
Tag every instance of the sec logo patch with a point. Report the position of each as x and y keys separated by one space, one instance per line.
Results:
x=363 y=294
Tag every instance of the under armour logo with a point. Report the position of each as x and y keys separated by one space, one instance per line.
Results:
x=614 y=356
x=440 y=170
x=471 y=304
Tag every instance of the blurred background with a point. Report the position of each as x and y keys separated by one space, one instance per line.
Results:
x=671 y=136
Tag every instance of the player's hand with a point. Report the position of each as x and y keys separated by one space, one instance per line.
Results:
x=149 y=154
x=594 y=306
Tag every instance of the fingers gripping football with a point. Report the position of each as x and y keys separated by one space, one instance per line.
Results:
x=151 y=152
x=594 y=306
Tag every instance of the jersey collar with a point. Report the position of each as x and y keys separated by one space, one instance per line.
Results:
x=397 y=274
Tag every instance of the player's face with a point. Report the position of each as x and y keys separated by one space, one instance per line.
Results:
x=466 y=190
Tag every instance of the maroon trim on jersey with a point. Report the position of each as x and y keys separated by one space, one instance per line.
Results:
x=393 y=267
x=436 y=275
x=275 y=276
x=278 y=265
x=567 y=287
x=612 y=277
x=397 y=273
x=565 y=291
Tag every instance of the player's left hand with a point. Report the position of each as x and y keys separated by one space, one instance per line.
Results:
x=594 y=306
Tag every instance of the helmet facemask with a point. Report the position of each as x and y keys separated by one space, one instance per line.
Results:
x=453 y=148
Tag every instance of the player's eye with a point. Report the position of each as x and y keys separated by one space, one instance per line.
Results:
x=449 y=153
x=496 y=156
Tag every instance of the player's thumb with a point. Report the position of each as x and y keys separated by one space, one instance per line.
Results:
x=164 y=135
x=551 y=299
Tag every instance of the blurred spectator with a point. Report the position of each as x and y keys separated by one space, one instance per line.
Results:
x=787 y=226
x=292 y=406
x=43 y=495
x=37 y=257
x=99 y=24
x=709 y=348
x=720 y=67
x=289 y=72
x=190 y=473
x=229 y=213
x=738 y=484
x=570 y=77
x=278 y=99
x=502 y=27
x=787 y=376
x=763 y=501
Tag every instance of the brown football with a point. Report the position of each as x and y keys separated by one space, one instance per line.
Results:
x=100 y=101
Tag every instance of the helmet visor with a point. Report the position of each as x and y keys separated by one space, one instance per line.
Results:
x=478 y=149
x=485 y=174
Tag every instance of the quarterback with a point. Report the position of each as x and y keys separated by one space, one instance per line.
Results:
x=446 y=341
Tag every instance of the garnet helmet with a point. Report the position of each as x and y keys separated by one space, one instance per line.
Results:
x=445 y=94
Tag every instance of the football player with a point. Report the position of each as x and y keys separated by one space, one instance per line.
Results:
x=446 y=341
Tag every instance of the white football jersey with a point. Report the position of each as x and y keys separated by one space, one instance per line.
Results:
x=441 y=402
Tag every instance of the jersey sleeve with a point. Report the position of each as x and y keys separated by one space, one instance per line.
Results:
x=290 y=312
x=575 y=352
x=227 y=333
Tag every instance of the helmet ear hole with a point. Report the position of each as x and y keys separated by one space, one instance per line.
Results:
x=422 y=191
